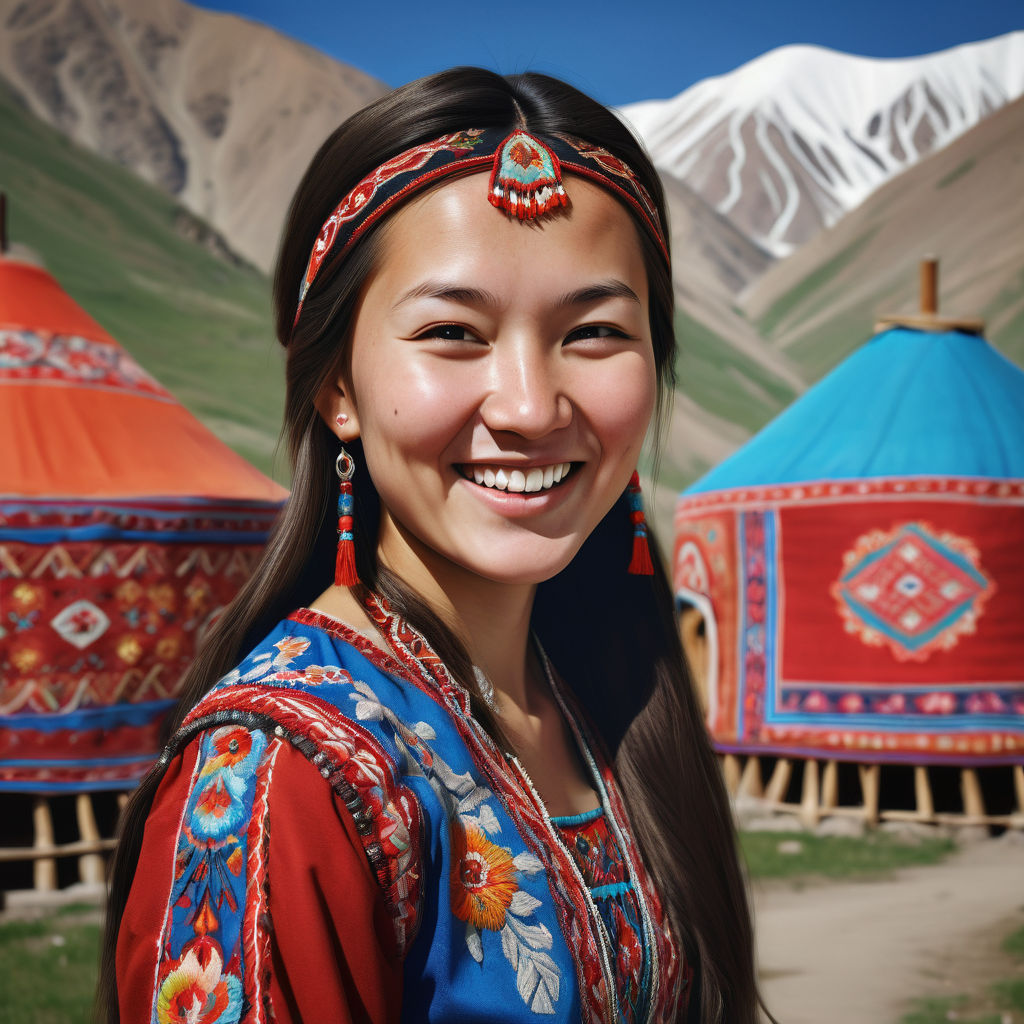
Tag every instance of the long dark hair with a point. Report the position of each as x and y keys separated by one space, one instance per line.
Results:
x=611 y=635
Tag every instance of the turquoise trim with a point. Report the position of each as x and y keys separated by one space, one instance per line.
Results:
x=600 y=892
x=568 y=820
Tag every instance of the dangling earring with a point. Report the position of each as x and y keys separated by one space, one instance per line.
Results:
x=345 y=574
x=640 y=564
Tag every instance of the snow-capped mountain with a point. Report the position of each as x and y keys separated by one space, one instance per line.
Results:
x=788 y=143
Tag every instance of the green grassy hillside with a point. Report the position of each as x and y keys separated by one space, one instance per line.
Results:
x=198 y=323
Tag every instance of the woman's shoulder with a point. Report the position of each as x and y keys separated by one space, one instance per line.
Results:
x=308 y=664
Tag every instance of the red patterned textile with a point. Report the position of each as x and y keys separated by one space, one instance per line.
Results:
x=873 y=620
x=125 y=527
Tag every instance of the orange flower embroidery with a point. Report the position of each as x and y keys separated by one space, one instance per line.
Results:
x=483 y=880
x=291 y=647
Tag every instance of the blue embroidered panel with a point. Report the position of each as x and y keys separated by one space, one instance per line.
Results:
x=489 y=943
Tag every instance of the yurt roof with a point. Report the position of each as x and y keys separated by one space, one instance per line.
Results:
x=906 y=403
x=82 y=419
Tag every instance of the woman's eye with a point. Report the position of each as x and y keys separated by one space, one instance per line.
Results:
x=595 y=331
x=448 y=332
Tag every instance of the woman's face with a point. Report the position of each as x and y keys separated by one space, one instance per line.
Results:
x=502 y=379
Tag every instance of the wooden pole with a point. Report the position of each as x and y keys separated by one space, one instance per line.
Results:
x=776 y=791
x=923 y=794
x=750 y=780
x=809 y=809
x=44 y=871
x=731 y=770
x=929 y=286
x=830 y=785
x=869 y=779
x=3 y=223
x=970 y=787
x=90 y=865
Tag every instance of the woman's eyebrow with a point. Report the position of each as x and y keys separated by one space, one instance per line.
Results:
x=468 y=296
x=610 y=289
x=450 y=292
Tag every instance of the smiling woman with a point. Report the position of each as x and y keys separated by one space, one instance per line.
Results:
x=441 y=759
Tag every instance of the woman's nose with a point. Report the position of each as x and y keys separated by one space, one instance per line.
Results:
x=527 y=392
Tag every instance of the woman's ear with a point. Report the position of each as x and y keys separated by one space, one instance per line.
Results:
x=335 y=405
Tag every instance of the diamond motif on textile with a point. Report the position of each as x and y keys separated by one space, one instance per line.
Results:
x=81 y=623
x=914 y=589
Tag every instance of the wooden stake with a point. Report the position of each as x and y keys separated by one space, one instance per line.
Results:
x=779 y=783
x=830 y=786
x=90 y=866
x=750 y=781
x=869 y=777
x=44 y=870
x=1018 y=785
x=923 y=794
x=731 y=770
x=809 y=810
x=970 y=787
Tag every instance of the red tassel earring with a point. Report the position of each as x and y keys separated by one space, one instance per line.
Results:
x=640 y=564
x=345 y=574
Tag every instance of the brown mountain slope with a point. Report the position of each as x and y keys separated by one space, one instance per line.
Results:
x=219 y=111
x=964 y=204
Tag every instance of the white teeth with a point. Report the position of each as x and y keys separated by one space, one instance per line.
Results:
x=519 y=481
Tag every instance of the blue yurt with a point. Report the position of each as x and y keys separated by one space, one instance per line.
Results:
x=857 y=568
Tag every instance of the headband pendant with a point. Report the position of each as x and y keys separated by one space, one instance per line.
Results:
x=526 y=180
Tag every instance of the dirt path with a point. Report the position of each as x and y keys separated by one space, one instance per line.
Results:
x=855 y=952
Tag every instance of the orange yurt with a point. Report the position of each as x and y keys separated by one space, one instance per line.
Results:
x=125 y=528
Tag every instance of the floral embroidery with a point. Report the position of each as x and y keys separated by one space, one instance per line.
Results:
x=603 y=868
x=215 y=901
x=483 y=880
x=484 y=875
x=386 y=812
x=196 y=990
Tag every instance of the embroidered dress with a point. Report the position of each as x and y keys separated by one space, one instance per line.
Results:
x=335 y=837
x=606 y=875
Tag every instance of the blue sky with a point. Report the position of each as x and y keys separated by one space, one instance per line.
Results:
x=623 y=51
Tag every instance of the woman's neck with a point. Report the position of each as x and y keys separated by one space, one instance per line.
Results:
x=492 y=619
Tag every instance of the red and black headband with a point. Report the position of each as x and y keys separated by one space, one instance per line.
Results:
x=526 y=182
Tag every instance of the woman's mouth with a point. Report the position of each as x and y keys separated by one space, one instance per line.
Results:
x=517 y=481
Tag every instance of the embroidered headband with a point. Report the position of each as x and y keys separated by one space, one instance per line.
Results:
x=526 y=182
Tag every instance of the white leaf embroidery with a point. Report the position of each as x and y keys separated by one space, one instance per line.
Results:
x=369 y=711
x=475 y=797
x=523 y=904
x=536 y=936
x=476 y=947
x=489 y=821
x=510 y=945
x=424 y=731
x=527 y=863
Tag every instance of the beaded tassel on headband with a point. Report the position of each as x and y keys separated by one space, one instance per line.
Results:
x=345 y=574
x=640 y=564
x=526 y=180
